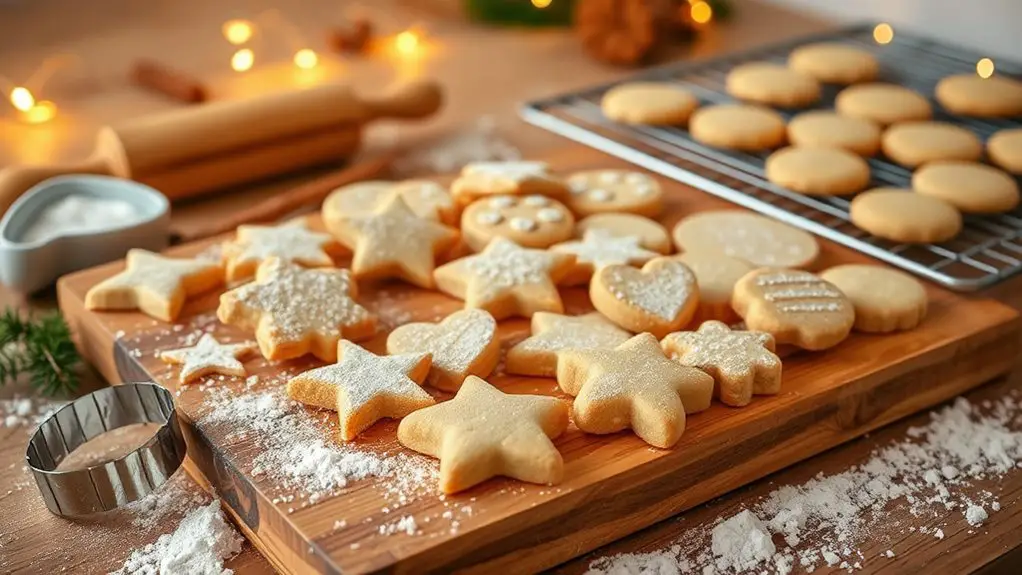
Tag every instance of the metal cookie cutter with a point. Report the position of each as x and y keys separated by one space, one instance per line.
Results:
x=114 y=483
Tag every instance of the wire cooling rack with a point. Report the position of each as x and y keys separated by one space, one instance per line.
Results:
x=988 y=249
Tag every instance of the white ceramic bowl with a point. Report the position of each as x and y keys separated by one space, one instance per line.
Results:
x=30 y=266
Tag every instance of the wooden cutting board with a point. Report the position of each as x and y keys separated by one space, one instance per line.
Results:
x=614 y=485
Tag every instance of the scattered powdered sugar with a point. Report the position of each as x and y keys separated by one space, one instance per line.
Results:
x=661 y=292
x=291 y=241
x=199 y=546
x=602 y=248
x=505 y=264
x=454 y=343
x=821 y=520
x=174 y=497
x=479 y=143
x=26 y=412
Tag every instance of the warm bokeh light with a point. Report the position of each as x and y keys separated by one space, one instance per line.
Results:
x=306 y=59
x=22 y=99
x=701 y=12
x=541 y=3
x=407 y=42
x=237 y=31
x=985 y=68
x=242 y=60
x=883 y=33
x=43 y=111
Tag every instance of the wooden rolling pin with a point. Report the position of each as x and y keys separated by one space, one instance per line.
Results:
x=202 y=148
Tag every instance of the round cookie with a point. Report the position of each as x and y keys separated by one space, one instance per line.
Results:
x=749 y=237
x=818 y=171
x=716 y=276
x=904 y=216
x=971 y=95
x=602 y=191
x=428 y=200
x=969 y=186
x=834 y=63
x=884 y=300
x=772 y=85
x=913 y=144
x=515 y=178
x=1005 y=150
x=826 y=129
x=738 y=126
x=652 y=235
x=648 y=103
x=529 y=221
x=884 y=104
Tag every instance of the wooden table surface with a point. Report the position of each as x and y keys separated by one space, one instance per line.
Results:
x=104 y=37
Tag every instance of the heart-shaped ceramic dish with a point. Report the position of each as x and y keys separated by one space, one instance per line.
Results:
x=27 y=266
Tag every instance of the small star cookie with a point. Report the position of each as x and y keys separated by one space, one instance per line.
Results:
x=394 y=243
x=292 y=241
x=506 y=279
x=481 y=179
x=483 y=432
x=551 y=333
x=465 y=343
x=633 y=386
x=428 y=200
x=155 y=285
x=742 y=363
x=660 y=298
x=208 y=356
x=600 y=248
x=364 y=387
x=295 y=311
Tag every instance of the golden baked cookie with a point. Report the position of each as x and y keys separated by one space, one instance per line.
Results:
x=826 y=129
x=536 y=355
x=834 y=63
x=530 y=221
x=913 y=144
x=465 y=343
x=599 y=248
x=905 y=216
x=649 y=103
x=602 y=191
x=818 y=171
x=652 y=235
x=659 y=298
x=738 y=126
x=971 y=187
x=209 y=356
x=884 y=104
x=512 y=178
x=749 y=237
x=971 y=95
x=716 y=275
x=884 y=299
x=429 y=200
x=291 y=241
x=772 y=85
x=1005 y=150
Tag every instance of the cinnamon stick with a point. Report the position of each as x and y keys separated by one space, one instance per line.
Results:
x=168 y=81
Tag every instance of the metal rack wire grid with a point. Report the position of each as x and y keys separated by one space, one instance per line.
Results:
x=988 y=249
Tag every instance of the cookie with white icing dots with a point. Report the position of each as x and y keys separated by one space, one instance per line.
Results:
x=395 y=243
x=506 y=279
x=795 y=307
x=660 y=298
x=292 y=241
x=536 y=355
x=599 y=248
x=619 y=191
x=633 y=386
x=483 y=432
x=295 y=311
x=481 y=179
x=209 y=356
x=756 y=239
x=716 y=275
x=741 y=363
x=364 y=387
x=651 y=234
x=155 y=285
x=531 y=221
x=465 y=343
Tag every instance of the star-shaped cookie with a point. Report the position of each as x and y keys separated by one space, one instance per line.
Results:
x=633 y=386
x=364 y=387
x=483 y=432
x=742 y=363
x=394 y=242
x=292 y=241
x=506 y=279
x=154 y=284
x=295 y=311
x=208 y=356
x=599 y=248
x=552 y=332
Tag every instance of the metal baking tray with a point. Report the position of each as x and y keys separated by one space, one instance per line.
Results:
x=988 y=249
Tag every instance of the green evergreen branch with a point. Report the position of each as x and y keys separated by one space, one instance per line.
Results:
x=40 y=348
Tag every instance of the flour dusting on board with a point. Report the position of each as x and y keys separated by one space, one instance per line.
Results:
x=821 y=522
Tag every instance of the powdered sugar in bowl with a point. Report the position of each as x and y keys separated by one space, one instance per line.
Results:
x=70 y=223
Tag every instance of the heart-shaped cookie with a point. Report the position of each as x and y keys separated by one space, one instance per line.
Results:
x=660 y=298
x=465 y=343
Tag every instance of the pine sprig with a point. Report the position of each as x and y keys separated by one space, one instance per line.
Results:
x=40 y=348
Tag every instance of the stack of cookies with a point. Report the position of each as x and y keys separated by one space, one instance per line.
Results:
x=827 y=149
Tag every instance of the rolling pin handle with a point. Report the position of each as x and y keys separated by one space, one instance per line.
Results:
x=407 y=101
x=18 y=179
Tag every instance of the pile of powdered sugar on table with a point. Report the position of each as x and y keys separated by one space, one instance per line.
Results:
x=820 y=522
